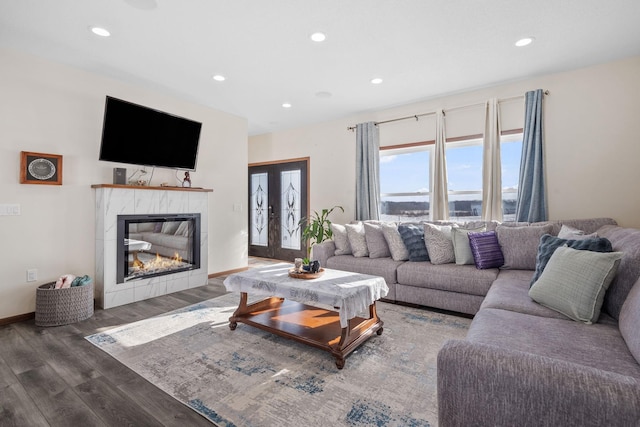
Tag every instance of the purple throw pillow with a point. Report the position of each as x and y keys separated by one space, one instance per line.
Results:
x=486 y=250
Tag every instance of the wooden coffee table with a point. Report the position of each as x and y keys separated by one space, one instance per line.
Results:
x=322 y=312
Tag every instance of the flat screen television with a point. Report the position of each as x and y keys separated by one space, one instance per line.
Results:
x=139 y=135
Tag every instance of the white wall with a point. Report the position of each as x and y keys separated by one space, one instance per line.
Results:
x=50 y=108
x=592 y=134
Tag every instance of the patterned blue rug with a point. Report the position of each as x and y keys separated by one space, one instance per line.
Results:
x=251 y=378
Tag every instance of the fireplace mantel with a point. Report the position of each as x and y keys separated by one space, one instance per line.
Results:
x=144 y=187
x=113 y=200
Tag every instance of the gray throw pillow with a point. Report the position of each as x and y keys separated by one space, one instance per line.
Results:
x=519 y=245
x=461 y=247
x=549 y=244
x=397 y=248
x=567 y=232
x=439 y=243
x=413 y=239
x=574 y=282
x=376 y=242
x=357 y=240
x=340 y=239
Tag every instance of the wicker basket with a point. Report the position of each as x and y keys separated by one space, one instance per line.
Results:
x=56 y=307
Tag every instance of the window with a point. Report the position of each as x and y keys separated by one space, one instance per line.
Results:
x=405 y=173
x=404 y=183
x=464 y=179
x=510 y=154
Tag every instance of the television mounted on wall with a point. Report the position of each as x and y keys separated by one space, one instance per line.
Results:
x=140 y=135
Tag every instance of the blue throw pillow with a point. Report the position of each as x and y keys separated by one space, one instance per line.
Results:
x=413 y=238
x=549 y=244
x=486 y=250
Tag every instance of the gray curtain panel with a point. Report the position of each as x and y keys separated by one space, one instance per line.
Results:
x=367 y=171
x=531 y=205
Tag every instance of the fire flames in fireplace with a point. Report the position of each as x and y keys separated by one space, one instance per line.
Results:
x=145 y=264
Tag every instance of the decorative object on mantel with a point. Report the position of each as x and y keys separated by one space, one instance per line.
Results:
x=187 y=180
x=40 y=168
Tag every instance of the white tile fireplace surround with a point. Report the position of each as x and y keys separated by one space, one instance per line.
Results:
x=114 y=200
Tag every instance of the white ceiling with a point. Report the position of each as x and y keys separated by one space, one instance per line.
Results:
x=421 y=48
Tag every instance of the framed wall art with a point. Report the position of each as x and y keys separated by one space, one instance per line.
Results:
x=39 y=168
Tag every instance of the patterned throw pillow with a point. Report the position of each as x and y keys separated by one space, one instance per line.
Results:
x=376 y=242
x=549 y=244
x=486 y=250
x=413 y=238
x=574 y=282
x=520 y=245
x=461 y=247
x=357 y=240
x=439 y=243
x=340 y=239
x=397 y=248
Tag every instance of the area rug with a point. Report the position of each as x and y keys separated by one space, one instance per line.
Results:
x=252 y=378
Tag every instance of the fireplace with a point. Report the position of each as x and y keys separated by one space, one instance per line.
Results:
x=154 y=245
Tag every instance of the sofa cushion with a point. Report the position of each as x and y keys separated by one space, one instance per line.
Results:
x=461 y=246
x=464 y=279
x=574 y=282
x=376 y=243
x=630 y=319
x=599 y=346
x=383 y=267
x=170 y=227
x=486 y=250
x=340 y=239
x=183 y=229
x=520 y=245
x=510 y=292
x=549 y=244
x=357 y=240
x=439 y=243
x=625 y=240
x=397 y=248
x=413 y=238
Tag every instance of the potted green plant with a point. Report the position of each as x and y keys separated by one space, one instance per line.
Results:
x=317 y=227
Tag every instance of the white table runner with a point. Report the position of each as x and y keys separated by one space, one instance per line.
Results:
x=350 y=293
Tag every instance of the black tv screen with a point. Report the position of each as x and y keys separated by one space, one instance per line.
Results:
x=139 y=135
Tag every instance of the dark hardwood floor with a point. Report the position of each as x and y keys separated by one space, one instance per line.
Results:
x=54 y=377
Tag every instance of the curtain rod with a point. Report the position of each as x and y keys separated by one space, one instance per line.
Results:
x=416 y=116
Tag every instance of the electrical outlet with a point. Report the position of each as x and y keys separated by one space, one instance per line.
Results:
x=32 y=275
x=9 y=209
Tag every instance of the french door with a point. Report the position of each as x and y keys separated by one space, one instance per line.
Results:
x=277 y=200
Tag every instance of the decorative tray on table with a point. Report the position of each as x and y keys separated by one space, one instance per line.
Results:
x=305 y=274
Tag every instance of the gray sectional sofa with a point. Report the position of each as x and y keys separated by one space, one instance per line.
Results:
x=523 y=364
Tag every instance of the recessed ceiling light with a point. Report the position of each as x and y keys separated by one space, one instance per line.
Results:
x=286 y=105
x=524 y=41
x=318 y=37
x=219 y=78
x=376 y=81
x=99 y=31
